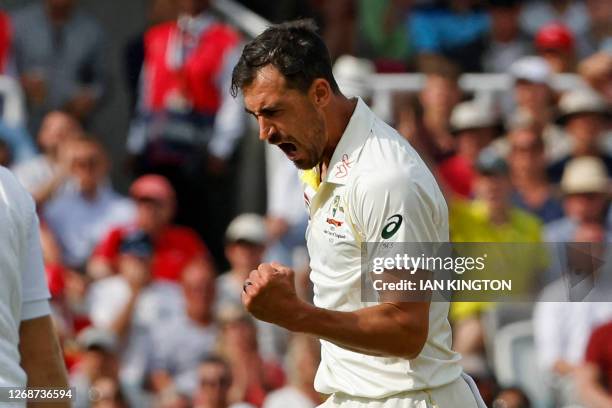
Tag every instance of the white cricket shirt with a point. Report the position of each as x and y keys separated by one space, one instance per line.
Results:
x=23 y=286
x=373 y=177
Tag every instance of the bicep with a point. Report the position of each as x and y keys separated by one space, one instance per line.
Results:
x=397 y=209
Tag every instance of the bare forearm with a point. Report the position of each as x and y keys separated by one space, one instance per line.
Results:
x=41 y=358
x=378 y=330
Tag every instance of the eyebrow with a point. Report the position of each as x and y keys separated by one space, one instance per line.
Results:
x=265 y=110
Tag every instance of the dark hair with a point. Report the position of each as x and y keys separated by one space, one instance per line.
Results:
x=294 y=48
x=436 y=65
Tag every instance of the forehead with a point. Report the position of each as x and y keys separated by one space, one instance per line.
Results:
x=523 y=137
x=268 y=86
x=212 y=369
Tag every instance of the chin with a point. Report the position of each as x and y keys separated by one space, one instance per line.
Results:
x=304 y=164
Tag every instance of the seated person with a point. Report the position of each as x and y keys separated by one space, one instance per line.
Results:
x=174 y=246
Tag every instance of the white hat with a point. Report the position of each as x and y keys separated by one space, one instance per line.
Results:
x=352 y=75
x=247 y=227
x=472 y=115
x=94 y=337
x=531 y=69
x=581 y=101
x=585 y=175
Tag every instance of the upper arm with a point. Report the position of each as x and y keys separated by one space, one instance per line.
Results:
x=401 y=206
x=394 y=209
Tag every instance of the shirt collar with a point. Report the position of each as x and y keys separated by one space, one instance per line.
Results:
x=347 y=151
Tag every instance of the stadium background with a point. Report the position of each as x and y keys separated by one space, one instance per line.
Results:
x=523 y=154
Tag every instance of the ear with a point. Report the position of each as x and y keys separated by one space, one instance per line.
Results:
x=320 y=92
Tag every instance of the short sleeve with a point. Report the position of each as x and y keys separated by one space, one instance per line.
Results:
x=400 y=207
x=35 y=292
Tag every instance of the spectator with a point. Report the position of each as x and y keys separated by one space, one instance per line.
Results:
x=457 y=32
x=353 y=76
x=382 y=36
x=407 y=118
x=438 y=98
x=158 y=11
x=253 y=375
x=303 y=359
x=585 y=188
x=108 y=394
x=599 y=35
x=83 y=212
x=246 y=239
x=214 y=382
x=98 y=360
x=174 y=246
x=338 y=18
x=6 y=42
x=585 y=117
x=535 y=100
x=474 y=127
x=60 y=58
x=507 y=43
x=556 y=44
x=277 y=12
x=512 y=397
x=566 y=314
x=131 y=305
x=492 y=218
x=286 y=217
x=571 y=13
x=532 y=189
x=5 y=154
x=597 y=72
x=194 y=334
x=44 y=174
x=594 y=376
x=188 y=124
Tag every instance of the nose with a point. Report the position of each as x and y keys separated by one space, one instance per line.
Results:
x=265 y=128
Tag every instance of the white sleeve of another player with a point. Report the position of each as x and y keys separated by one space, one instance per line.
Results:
x=35 y=292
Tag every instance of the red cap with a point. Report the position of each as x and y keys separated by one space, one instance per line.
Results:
x=152 y=186
x=555 y=36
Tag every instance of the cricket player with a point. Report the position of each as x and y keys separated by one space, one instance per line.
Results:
x=363 y=183
x=29 y=351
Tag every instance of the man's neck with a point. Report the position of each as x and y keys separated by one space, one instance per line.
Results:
x=337 y=117
x=200 y=320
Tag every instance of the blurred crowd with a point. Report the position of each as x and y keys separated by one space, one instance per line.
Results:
x=146 y=285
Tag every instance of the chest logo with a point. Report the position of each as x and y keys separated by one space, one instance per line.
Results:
x=391 y=227
x=334 y=222
x=343 y=167
x=337 y=211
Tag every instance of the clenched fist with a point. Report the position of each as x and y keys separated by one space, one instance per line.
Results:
x=269 y=294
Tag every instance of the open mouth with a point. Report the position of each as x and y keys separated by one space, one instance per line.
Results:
x=289 y=149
